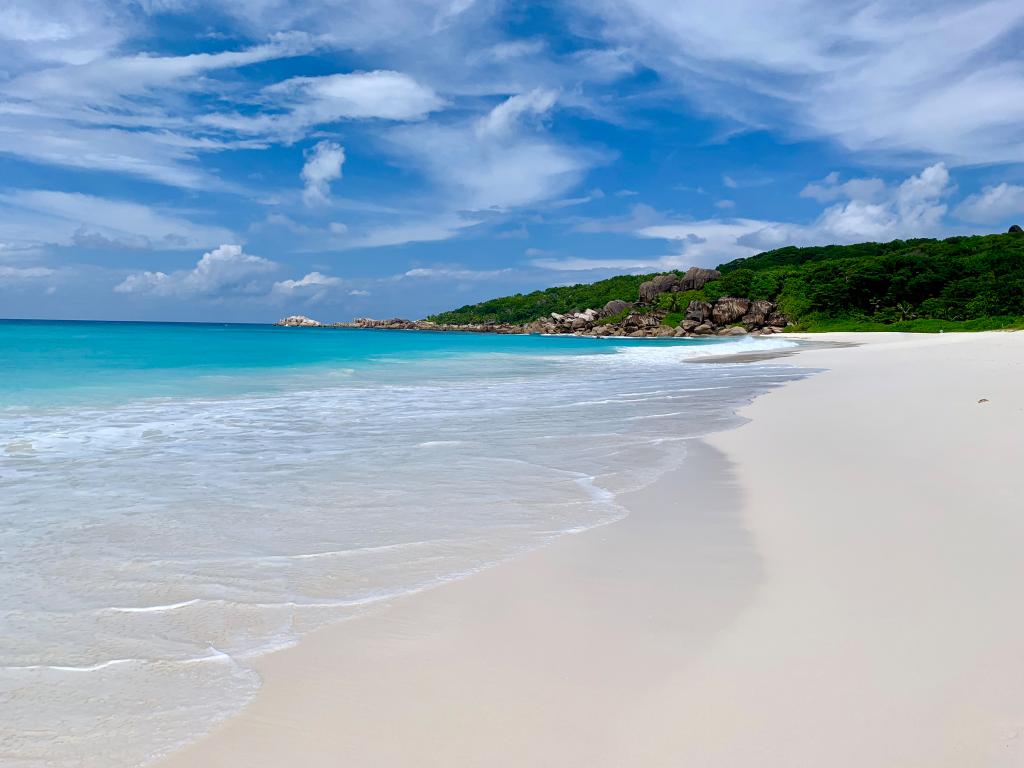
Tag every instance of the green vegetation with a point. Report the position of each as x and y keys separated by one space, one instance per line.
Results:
x=524 y=307
x=961 y=283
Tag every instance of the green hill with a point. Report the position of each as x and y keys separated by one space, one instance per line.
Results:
x=524 y=307
x=960 y=283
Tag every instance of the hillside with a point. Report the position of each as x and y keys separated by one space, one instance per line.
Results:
x=524 y=307
x=958 y=283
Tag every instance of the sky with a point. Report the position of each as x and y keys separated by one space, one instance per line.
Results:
x=242 y=160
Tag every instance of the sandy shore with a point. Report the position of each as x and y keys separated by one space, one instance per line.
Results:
x=836 y=583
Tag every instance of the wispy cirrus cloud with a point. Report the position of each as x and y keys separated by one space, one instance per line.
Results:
x=40 y=216
x=501 y=160
x=939 y=79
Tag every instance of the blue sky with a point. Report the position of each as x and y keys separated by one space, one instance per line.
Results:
x=238 y=161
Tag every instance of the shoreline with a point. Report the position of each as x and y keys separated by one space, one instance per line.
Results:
x=705 y=628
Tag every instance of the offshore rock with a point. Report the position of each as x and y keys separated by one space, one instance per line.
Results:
x=1015 y=229
x=298 y=321
x=735 y=330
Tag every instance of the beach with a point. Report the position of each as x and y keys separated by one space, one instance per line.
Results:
x=835 y=582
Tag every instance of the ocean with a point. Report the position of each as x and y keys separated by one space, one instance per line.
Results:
x=176 y=499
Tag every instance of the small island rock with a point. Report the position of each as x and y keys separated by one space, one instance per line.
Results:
x=298 y=321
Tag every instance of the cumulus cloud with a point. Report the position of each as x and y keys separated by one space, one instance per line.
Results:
x=831 y=188
x=313 y=281
x=323 y=165
x=993 y=204
x=226 y=270
x=913 y=208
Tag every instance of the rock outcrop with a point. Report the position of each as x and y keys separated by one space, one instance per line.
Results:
x=615 y=307
x=1015 y=229
x=696 y=277
x=729 y=310
x=698 y=311
x=656 y=286
x=299 y=321
x=727 y=316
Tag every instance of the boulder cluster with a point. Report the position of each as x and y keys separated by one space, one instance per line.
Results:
x=727 y=316
x=298 y=321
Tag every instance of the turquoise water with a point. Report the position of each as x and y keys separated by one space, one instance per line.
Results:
x=57 y=363
x=177 y=499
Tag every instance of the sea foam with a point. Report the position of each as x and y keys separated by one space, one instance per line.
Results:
x=153 y=544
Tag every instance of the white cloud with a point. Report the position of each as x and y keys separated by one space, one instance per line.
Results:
x=109 y=80
x=415 y=229
x=914 y=208
x=505 y=118
x=223 y=271
x=313 y=281
x=455 y=273
x=940 y=78
x=66 y=218
x=125 y=114
x=72 y=31
x=10 y=274
x=292 y=107
x=379 y=94
x=323 y=165
x=498 y=161
x=830 y=188
x=993 y=204
x=574 y=264
x=358 y=292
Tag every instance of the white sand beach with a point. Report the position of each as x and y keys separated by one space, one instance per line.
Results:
x=835 y=583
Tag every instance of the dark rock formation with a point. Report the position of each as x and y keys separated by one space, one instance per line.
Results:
x=702 y=319
x=698 y=311
x=696 y=277
x=757 y=313
x=729 y=309
x=656 y=286
x=615 y=306
x=1015 y=229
